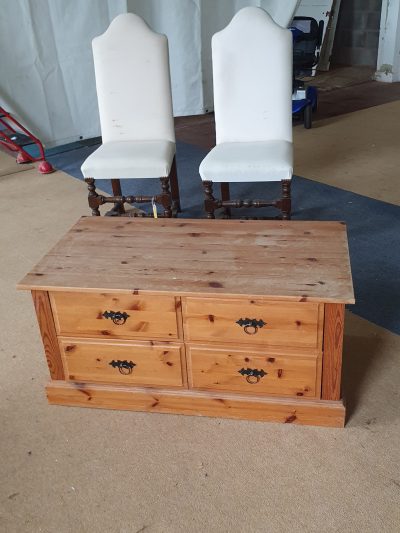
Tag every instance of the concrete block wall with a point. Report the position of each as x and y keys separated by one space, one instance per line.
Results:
x=357 y=33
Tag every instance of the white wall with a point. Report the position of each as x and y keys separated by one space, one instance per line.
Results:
x=388 y=63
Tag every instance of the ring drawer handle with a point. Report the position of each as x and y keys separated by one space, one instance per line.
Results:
x=251 y=325
x=116 y=316
x=124 y=367
x=253 y=375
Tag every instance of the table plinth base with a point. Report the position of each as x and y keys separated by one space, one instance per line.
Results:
x=189 y=402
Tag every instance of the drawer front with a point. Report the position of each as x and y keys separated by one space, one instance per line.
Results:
x=143 y=364
x=254 y=322
x=123 y=316
x=257 y=372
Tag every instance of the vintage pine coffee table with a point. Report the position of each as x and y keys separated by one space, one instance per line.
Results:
x=238 y=319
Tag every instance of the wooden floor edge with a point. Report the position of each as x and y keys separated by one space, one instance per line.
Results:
x=305 y=412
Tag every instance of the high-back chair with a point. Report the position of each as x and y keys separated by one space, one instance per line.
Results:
x=135 y=105
x=252 y=70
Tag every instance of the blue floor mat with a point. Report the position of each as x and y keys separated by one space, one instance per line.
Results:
x=373 y=226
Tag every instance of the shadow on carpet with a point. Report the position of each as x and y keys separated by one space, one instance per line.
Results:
x=373 y=226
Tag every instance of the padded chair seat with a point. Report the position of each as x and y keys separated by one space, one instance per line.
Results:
x=130 y=159
x=248 y=161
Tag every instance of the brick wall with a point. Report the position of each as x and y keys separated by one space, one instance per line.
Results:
x=357 y=33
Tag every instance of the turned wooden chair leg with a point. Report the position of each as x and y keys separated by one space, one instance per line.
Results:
x=286 y=201
x=173 y=179
x=93 y=197
x=117 y=191
x=209 y=203
x=167 y=203
x=225 y=196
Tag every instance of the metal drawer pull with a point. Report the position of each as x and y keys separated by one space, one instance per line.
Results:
x=116 y=316
x=251 y=325
x=124 y=367
x=253 y=375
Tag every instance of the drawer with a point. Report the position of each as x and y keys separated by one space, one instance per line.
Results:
x=123 y=316
x=254 y=371
x=144 y=364
x=254 y=322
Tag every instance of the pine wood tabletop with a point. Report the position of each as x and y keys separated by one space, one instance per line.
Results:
x=281 y=260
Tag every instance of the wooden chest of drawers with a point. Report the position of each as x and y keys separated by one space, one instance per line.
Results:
x=239 y=319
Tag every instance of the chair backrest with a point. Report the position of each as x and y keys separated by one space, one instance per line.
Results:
x=252 y=71
x=133 y=82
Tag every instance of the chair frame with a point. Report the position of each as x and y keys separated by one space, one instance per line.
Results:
x=211 y=204
x=169 y=198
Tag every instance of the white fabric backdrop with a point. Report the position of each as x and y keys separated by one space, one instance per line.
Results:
x=46 y=64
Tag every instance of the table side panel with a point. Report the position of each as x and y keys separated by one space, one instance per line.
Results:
x=48 y=332
x=333 y=348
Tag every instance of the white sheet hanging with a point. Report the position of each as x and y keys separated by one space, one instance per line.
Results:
x=46 y=71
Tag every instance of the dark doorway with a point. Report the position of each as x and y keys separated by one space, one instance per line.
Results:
x=357 y=33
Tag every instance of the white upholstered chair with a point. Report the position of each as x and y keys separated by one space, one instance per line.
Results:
x=252 y=71
x=135 y=105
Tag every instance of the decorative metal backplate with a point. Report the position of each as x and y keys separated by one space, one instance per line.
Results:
x=116 y=316
x=124 y=367
x=252 y=374
x=251 y=325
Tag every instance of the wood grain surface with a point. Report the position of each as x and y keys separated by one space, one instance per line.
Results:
x=147 y=317
x=283 y=323
x=218 y=368
x=333 y=346
x=286 y=260
x=47 y=330
x=154 y=364
x=289 y=411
